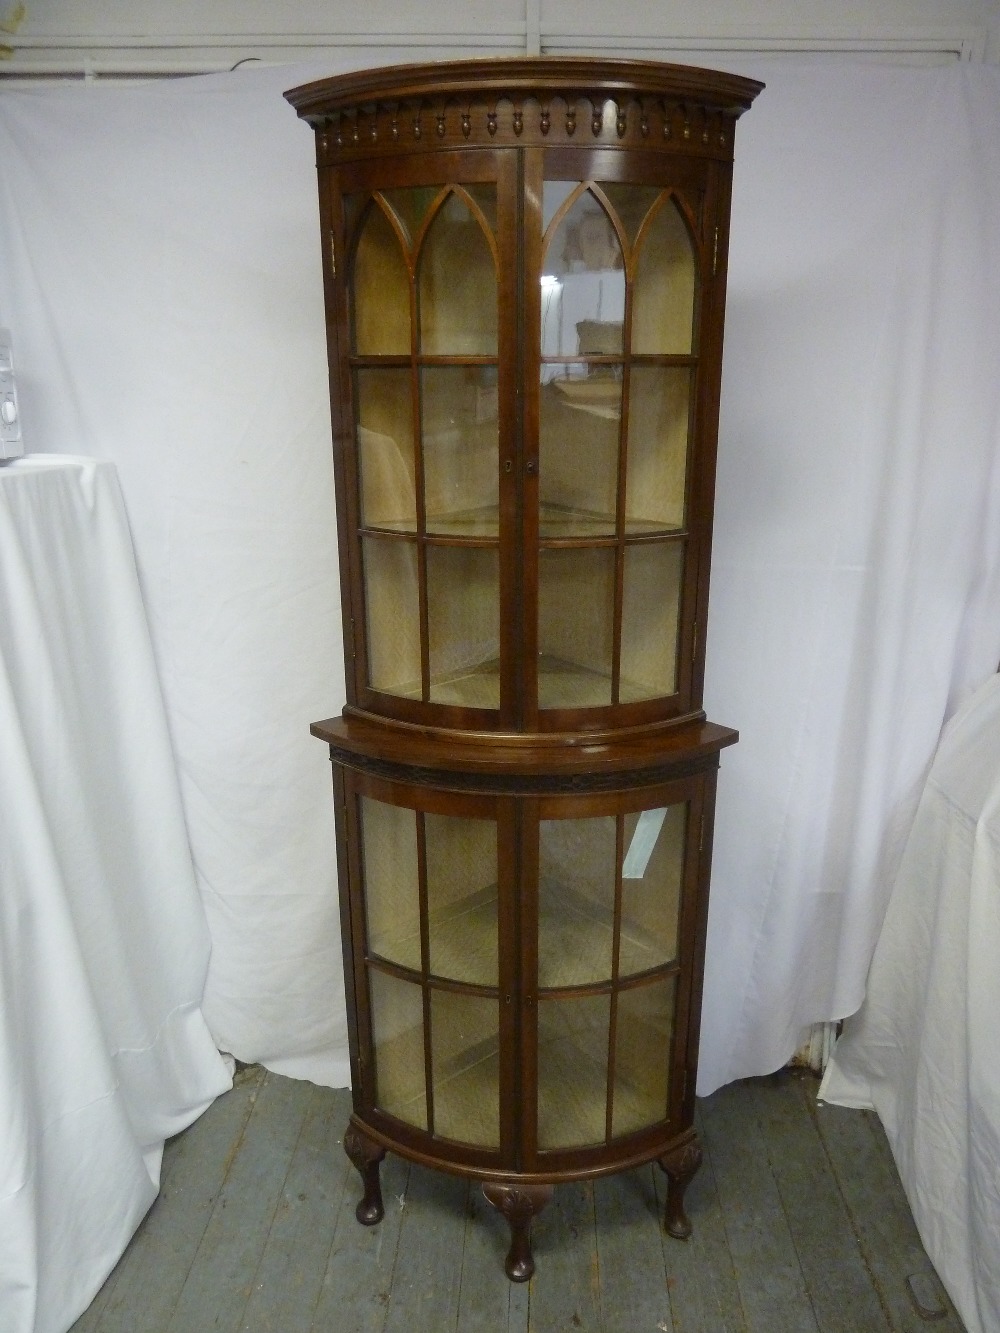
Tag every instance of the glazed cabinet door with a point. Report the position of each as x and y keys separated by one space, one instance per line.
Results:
x=617 y=283
x=609 y=940
x=431 y=916
x=425 y=295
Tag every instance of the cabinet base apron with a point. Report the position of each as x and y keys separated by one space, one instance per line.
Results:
x=521 y=1198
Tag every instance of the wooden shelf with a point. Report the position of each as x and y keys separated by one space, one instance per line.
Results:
x=575 y=938
x=463 y=940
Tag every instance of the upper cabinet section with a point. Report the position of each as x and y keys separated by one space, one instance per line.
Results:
x=525 y=274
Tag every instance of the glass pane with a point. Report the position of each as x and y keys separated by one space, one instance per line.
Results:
x=353 y=207
x=631 y=203
x=411 y=206
x=576 y=900
x=465 y=1046
x=381 y=290
x=392 y=901
x=392 y=602
x=397 y=1012
x=578 y=452
x=652 y=877
x=663 y=305
x=643 y=1033
x=462 y=898
x=657 y=447
x=573 y=1071
x=461 y=449
x=457 y=285
x=651 y=605
x=463 y=614
x=385 y=449
x=583 y=281
x=485 y=196
x=576 y=597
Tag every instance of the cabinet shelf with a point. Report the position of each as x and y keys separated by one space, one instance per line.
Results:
x=574 y=947
x=576 y=938
x=555 y=523
x=463 y=940
x=563 y=684
x=465 y=1090
x=572 y=1095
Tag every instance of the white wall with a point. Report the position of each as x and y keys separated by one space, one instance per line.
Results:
x=98 y=38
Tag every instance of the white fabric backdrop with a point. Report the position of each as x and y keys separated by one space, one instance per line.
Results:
x=104 y=947
x=923 y=1049
x=159 y=265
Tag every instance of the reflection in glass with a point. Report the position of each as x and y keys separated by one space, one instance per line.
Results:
x=657 y=447
x=583 y=282
x=457 y=285
x=579 y=423
x=392 y=901
x=631 y=204
x=651 y=605
x=643 y=1032
x=462 y=898
x=381 y=290
x=397 y=1015
x=411 y=206
x=485 y=197
x=465 y=1057
x=572 y=1071
x=392 y=604
x=576 y=597
x=576 y=900
x=459 y=420
x=652 y=878
x=463 y=623
x=663 y=305
x=384 y=405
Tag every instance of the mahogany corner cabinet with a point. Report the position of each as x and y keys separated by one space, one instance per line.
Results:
x=525 y=267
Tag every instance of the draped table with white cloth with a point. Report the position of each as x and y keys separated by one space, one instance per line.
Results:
x=924 y=1049
x=104 y=1052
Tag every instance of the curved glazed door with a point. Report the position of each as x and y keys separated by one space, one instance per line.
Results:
x=432 y=922
x=607 y=971
x=428 y=349
x=526 y=341
x=618 y=273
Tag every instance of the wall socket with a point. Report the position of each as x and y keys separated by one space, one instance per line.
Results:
x=10 y=416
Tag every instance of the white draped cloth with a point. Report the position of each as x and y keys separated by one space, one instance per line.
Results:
x=160 y=268
x=104 y=1052
x=923 y=1051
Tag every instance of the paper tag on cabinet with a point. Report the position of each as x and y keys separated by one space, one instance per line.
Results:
x=640 y=849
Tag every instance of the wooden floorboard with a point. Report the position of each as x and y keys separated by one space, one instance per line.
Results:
x=769 y=1275
x=800 y=1226
x=143 y=1291
x=840 y=1288
x=701 y=1279
x=861 y=1162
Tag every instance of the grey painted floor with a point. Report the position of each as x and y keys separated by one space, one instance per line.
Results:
x=800 y=1223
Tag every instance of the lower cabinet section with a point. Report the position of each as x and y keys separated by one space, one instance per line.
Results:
x=524 y=966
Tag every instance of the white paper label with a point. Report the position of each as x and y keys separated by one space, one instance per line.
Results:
x=640 y=849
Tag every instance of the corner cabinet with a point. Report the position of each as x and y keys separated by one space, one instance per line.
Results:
x=525 y=270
